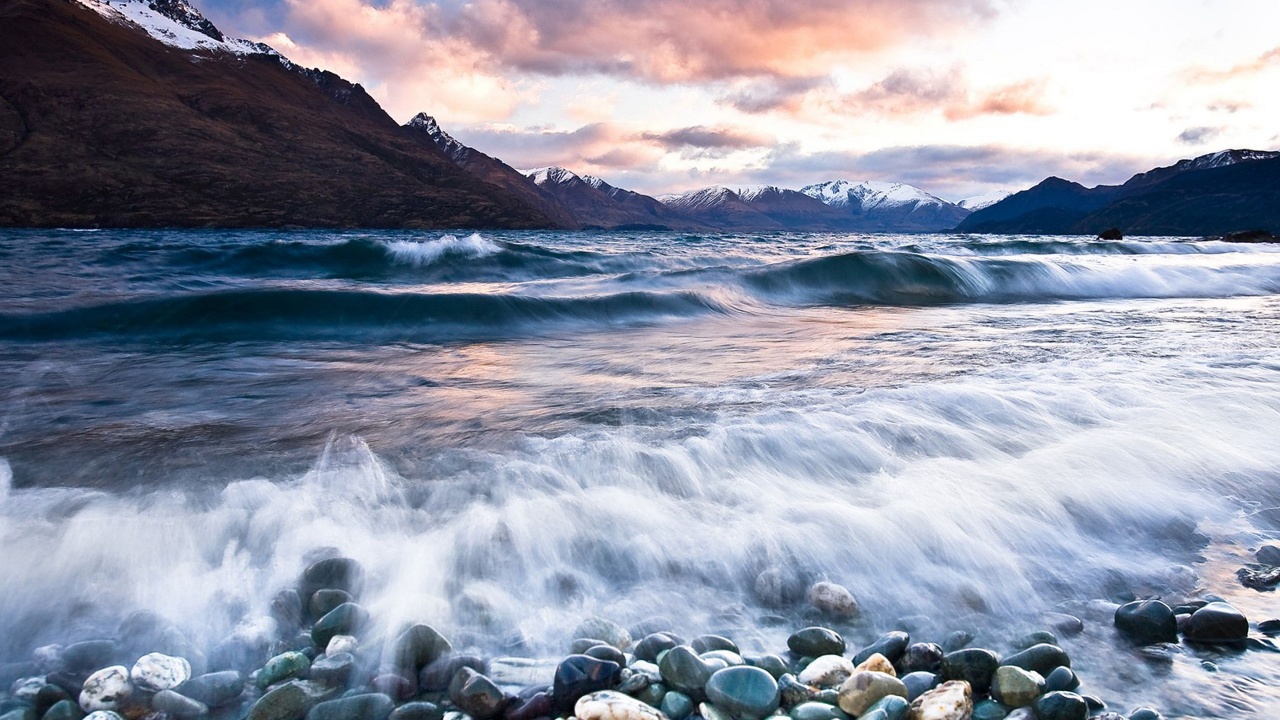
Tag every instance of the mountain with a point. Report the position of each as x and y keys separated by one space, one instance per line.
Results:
x=720 y=208
x=493 y=171
x=136 y=113
x=1186 y=198
x=978 y=202
x=597 y=204
x=765 y=207
x=888 y=207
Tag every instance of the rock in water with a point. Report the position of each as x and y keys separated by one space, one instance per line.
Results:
x=289 y=701
x=1042 y=658
x=105 y=689
x=333 y=670
x=1061 y=706
x=816 y=641
x=975 y=666
x=326 y=599
x=834 y=601
x=711 y=643
x=419 y=646
x=653 y=644
x=1016 y=687
x=65 y=710
x=922 y=656
x=1216 y=622
x=476 y=695
x=178 y=706
x=606 y=630
x=890 y=707
x=1062 y=678
x=283 y=667
x=827 y=671
x=877 y=663
x=436 y=676
x=418 y=711
x=677 y=705
x=368 y=706
x=989 y=710
x=337 y=573
x=579 y=675
x=155 y=672
x=683 y=670
x=1146 y=622
x=949 y=701
x=891 y=645
x=817 y=711
x=346 y=619
x=919 y=683
x=609 y=705
x=104 y=715
x=215 y=689
x=339 y=644
x=745 y=691
x=864 y=689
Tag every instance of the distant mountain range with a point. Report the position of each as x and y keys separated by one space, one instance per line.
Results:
x=142 y=113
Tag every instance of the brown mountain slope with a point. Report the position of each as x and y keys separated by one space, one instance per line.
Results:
x=102 y=125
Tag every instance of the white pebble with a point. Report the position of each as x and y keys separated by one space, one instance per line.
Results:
x=156 y=672
x=103 y=715
x=610 y=705
x=104 y=689
x=826 y=671
x=341 y=644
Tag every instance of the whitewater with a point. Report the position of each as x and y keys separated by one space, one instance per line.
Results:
x=516 y=431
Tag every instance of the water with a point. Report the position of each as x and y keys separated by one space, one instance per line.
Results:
x=515 y=431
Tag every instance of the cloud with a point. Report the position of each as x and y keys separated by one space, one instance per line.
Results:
x=1199 y=135
x=763 y=95
x=704 y=138
x=1262 y=63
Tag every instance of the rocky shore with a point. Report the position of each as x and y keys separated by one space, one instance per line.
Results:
x=329 y=663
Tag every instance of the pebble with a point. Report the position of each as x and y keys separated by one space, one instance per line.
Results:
x=324 y=600
x=419 y=646
x=863 y=689
x=104 y=689
x=744 y=691
x=155 y=672
x=827 y=671
x=651 y=645
x=345 y=619
x=891 y=707
x=339 y=644
x=104 y=715
x=579 y=675
x=1042 y=658
x=333 y=670
x=1016 y=687
x=88 y=655
x=817 y=711
x=1217 y=622
x=476 y=695
x=922 y=656
x=949 y=701
x=1061 y=706
x=919 y=683
x=832 y=600
x=1061 y=678
x=677 y=705
x=877 y=663
x=437 y=676
x=1145 y=713
x=215 y=689
x=683 y=670
x=815 y=642
x=179 y=706
x=609 y=705
x=605 y=630
x=287 y=701
x=708 y=643
x=417 y=711
x=283 y=667
x=63 y=710
x=1146 y=622
x=772 y=664
x=336 y=573
x=975 y=666
x=366 y=706
x=989 y=710
x=891 y=645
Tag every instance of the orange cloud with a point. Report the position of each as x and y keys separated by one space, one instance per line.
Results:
x=1263 y=62
x=1025 y=98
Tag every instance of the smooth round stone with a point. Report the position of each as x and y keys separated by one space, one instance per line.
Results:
x=731 y=659
x=1042 y=658
x=63 y=710
x=609 y=705
x=830 y=696
x=1146 y=622
x=339 y=644
x=1145 y=713
x=877 y=663
x=1068 y=625
x=646 y=669
x=154 y=672
x=817 y=711
x=395 y=685
x=283 y=667
x=890 y=707
x=919 y=683
x=437 y=676
x=949 y=701
x=653 y=694
x=815 y=642
x=333 y=670
x=1217 y=622
x=179 y=706
x=476 y=695
x=975 y=666
x=579 y=675
x=417 y=711
x=744 y=691
x=891 y=645
x=989 y=710
x=1040 y=637
x=337 y=573
x=346 y=619
x=795 y=692
x=286 y=609
x=1016 y=687
x=1062 y=678
x=957 y=640
x=419 y=646
x=605 y=630
x=48 y=695
x=772 y=664
x=10 y=711
x=677 y=705
x=922 y=656
x=684 y=671
x=367 y=706
x=1061 y=706
x=832 y=600
x=287 y=701
x=607 y=652
x=531 y=706
x=324 y=600
x=105 y=689
x=827 y=671
x=707 y=643
x=863 y=689
x=649 y=647
x=88 y=655
x=215 y=689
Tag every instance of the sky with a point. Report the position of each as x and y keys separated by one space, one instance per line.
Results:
x=959 y=97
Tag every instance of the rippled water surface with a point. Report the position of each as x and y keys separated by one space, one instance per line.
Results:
x=514 y=431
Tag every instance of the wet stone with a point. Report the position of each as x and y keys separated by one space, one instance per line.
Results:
x=1217 y=622
x=865 y=688
x=579 y=675
x=396 y=685
x=1145 y=622
x=64 y=710
x=957 y=640
x=989 y=710
x=333 y=670
x=154 y=672
x=609 y=705
x=367 y=706
x=214 y=689
x=794 y=692
x=817 y=711
x=815 y=642
x=324 y=600
x=951 y=700
x=919 y=683
x=922 y=656
x=289 y=701
x=892 y=645
x=1061 y=706
x=477 y=695
x=606 y=631
x=649 y=647
x=88 y=655
x=436 y=676
x=417 y=711
x=1015 y=687
x=1145 y=713
x=607 y=652
x=1062 y=678
x=537 y=705
x=283 y=667
x=891 y=707
x=1040 y=637
x=826 y=671
x=975 y=666
x=346 y=619
x=1042 y=658
x=709 y=643
x=677 y=705
x=684 y=671
x=772 y=664
x=104 y=689
x=337 y=573
x=832 y=600
x=419 y=646
x=744 y=691
x=179 y=706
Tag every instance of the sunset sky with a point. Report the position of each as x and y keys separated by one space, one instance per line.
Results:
x=956 y=96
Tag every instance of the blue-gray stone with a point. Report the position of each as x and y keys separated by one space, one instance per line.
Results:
x=975 y=666
x=919 y=683
x=1062 y=678
x=677 y=705
x=1061 y=706
x=890 y=707
x=989 y=710
x=744 y=691
x=366 y=706
x=891 y=645
x=816 y=642
x=1041 y=658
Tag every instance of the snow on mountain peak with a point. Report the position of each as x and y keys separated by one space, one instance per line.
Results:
x=175 y=23
x=977 y=202
x=870 y=194
x=551 y=175
x=444 y=140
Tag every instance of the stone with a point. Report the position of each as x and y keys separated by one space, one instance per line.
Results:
x=795 y=692
x=336 y=573
x=1040 y=637
x=1146 y=622
x=922 y=656
x=772 y=664
x=1111 y=234
x=1061 y=706
x=709 y=643
x=744 y=691
x=1067 y=625
x=419 y=646
x=104 y=715
x=1268 y=555
x=1016 y=687
x=863 y=689
x=477 y=695
x=88 y=655
x=919 y=683
x=608 y=705
x=1042 y=658
x=283 y=667
x=605 y=630
x=215 y=689
x=877 y=663
x=975 y=666
x=531 y=707
x=1145 y=713
x=817 y=711
x=989 y=710
x=653 y=695
x=366 y=706
x=286 y=609
x=891 y=707
x=1215 y=623
x=437 y=676
x=779 y=587
x=333 y=670
x=611 y=653
x=833 y=601
x=1062 y=678
x=63 y=710
x=815 y=642
x=417 y=711
x=827 y=671
x=684 y=671
x=677 y=705
x=951 y=700
x=324 y=600
x=339 y=644
x=957 y=640
x=287 y=701
x=632 y=682
x=104 y=689
x=653 y=644
x=579 y=675
x=154 y=672
x=178 y=706
x=346 y=619
x=396 y=685
x=891 y=645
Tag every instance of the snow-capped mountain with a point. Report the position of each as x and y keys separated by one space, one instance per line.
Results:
x=596 y=203
x=759 y=207
x=444 y=140
x=175 y=23
x=886 y=206
x=977 y=202
x=1203 y=162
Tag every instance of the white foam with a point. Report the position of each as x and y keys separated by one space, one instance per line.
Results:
x=416 y=253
